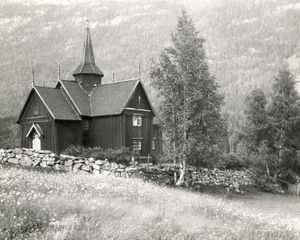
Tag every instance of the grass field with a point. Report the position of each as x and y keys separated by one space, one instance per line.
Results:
x=43 y=205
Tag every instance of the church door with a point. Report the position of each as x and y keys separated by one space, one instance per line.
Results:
x=36 y=142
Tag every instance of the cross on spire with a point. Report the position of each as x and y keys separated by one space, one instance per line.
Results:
x=87 y=23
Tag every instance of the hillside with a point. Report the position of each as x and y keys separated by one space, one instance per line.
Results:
x=49 y=205
x=246 y=41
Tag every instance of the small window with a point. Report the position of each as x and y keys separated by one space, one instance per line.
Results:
x=136 y=144
x=36 y=111
x=153 y=145
x=137 y=120
x=85 y=125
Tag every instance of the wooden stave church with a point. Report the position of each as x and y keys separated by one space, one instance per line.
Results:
x=86 y=112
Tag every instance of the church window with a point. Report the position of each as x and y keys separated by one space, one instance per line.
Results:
x=36 y=111
x=136 y=144
x=85 y=125
x=137 y=120
x=153 y=145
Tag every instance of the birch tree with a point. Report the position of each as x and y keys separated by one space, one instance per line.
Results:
x=191 y=105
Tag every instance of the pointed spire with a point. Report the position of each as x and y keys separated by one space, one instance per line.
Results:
x=88 y=65
x=88 y=53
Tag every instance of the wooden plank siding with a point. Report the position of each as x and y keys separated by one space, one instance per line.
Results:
x=68 y=133
x=134 y=102
x=47 y=140
x=33 y=103
x=106 y=132
x=145 y=131
x=43 y=118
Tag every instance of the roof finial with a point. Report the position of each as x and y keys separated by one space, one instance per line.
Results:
x=113 y=77
x=58 y=71
x=140 y=72
x=32 y=77
x=87 y=23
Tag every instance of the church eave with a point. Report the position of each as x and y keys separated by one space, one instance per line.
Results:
x=88 y=69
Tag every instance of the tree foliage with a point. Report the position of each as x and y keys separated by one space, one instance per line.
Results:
x=9 y=133
x=284 y=111
x=256 y=117
x=272 y=130
x=191 y=104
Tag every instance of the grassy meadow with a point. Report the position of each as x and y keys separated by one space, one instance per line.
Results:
x=46 y=205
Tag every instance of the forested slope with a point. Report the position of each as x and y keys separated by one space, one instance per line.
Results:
x=246 y=41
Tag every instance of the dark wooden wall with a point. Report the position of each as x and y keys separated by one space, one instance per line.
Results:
x=68 y=133
x=134 y=101
x=48 y=141
x=107 y=132
x=88 y=81
x=144 y=131
x=44 y=119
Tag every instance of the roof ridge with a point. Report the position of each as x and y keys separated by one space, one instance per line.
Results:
x=77 y=84
x=43 y=87
x=68 y=80
x=70 y=105
x=122 y=81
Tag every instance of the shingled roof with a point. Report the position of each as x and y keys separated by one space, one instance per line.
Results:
x=56 y=103
x=103 y=100
x=111 y=98
x=78 y=96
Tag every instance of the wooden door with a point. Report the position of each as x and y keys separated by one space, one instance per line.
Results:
x=36 y=142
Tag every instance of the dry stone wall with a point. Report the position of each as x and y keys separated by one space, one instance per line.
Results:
x=194 y=178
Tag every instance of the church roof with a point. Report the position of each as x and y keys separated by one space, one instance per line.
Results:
x=88 y=65
x=78 y=96
x=74 y=102
x=103 y=100
x=56 y=103
x=111 y=98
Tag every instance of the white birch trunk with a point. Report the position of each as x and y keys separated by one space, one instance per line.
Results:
x=183 y=160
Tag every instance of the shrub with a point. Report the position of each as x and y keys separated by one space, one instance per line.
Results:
x=73 y=151
x=268 y=183
x=121 y=155
x=289 y=176
x=230 y=161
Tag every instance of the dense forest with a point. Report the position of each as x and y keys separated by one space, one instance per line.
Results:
x=247 y=42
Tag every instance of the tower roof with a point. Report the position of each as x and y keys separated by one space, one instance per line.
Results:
x=88 y=65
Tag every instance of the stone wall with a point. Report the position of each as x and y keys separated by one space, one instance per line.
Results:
x=161 y=174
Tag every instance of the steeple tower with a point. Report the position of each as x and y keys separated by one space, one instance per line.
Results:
x=87 y=73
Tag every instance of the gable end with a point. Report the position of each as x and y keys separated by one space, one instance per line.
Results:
x=139 y=99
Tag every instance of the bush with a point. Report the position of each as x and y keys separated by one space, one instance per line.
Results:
x=121 y=155
x=289 y=176
x=268 y=183
x=230 y=161
x=73 y=151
